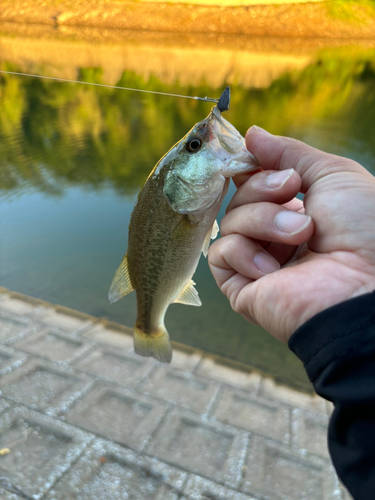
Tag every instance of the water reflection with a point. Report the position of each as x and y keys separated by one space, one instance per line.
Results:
x=55 y=134
x=73 y=157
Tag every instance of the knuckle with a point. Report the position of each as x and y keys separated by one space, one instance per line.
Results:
x=235 y=302
x=223 y=224
x=229 y=244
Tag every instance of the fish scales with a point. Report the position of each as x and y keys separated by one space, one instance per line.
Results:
x=161 y=254
x=172 y=222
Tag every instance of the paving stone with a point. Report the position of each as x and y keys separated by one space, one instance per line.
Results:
x=198 y=488
x=109 y=472
x=274 y=472
x=14 y=327
x=309 y=432
x=181 y=388
x=67 y=322
x=119 y=414
x=202 y=446
x=329 y=408
x=55 y=345
x=180 y=359
x=184 y=357
x=223 y=372
x=120 y=338
x=41 y=450
x=269 y=389
x=345 y=495
x=3 y=405
x=111 y=364
x=333 y=489
x=10 y=359
x=43 y=386
x=24 y=305
x=7 y=495
x=16 y=306
x=253 y=413
x=255 y=407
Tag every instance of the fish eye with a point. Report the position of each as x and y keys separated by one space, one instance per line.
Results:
x=194 y=144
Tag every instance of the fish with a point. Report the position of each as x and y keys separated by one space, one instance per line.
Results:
x=173 y=221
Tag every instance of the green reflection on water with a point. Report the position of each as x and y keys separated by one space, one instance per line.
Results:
x=55 y=138
x=72 y=134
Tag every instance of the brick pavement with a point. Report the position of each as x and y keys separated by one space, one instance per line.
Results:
x=82 y=417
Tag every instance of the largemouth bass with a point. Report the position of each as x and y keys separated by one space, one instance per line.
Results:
x=172 y=223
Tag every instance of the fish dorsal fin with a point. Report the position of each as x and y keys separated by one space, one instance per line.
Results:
x=211 y=235
x=189 y=296
x=121 y=284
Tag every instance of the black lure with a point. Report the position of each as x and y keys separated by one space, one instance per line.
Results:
x=223 y=104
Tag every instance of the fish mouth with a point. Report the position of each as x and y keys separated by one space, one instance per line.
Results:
x=212 y=125
x=229 y=145
x=215 y=113
x=229 y=137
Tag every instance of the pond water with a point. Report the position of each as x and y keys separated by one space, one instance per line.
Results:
x=73 y=157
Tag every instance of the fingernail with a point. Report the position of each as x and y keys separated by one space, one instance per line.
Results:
x=265 y=263
x=291 y=222
x=259 y=129
x=278 y=179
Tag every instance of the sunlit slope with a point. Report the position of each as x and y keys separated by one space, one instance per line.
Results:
x=332 y=18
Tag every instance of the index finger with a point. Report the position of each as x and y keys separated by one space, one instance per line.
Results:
x=242 y=178
x=279 y=153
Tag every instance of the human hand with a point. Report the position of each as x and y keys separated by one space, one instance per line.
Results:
x=280 y=261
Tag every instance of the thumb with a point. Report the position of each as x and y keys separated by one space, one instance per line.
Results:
x=280 y=153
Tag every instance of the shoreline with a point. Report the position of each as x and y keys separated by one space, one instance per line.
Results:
x=307 y=20
x=213 y=58
x=123 y=335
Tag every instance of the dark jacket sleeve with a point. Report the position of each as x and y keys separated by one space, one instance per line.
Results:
x=337 y=347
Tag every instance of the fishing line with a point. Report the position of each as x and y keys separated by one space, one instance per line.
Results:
x=206 y=99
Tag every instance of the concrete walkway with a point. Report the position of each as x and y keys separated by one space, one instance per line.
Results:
x=82 y=417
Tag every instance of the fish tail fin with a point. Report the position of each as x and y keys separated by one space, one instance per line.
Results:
x=155 y=344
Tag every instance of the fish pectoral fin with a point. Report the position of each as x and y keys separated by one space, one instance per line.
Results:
x=215 y=230
x=121 y=284
x=189 y=296
x=211 y=235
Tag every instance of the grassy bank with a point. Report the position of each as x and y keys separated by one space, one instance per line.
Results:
x=327 y=19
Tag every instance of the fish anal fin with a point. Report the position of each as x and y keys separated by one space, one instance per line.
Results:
x=211 y=235
x=155 y=344
x=189 y=296
x=121 y=284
